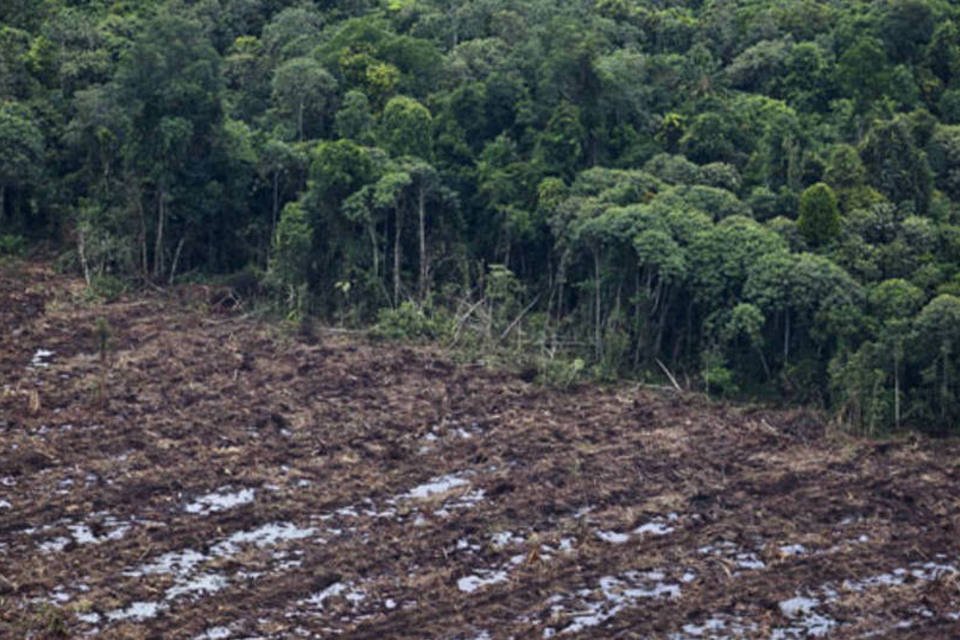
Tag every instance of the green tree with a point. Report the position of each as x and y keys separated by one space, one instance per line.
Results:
x=406 y=128
x=170 y=81
x=819 y=218
x=305 y=92
x=291 y=254
x=353 y=119
x=21 y=162
x=276 y=161
x=896 y=166
x=894 y=303
x=936 y=349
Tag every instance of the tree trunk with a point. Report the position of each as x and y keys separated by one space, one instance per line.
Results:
x=945 y=385
x=276 y=210
x=661 y=324
x=372 y=230
x=422 y=210
x=300 y=121
x=82 y=250
x=896 y=385
x=598 y=344
x=786 y=338
x=142 y=219
x=176 y=259
x=396 y=256
x=158 y=266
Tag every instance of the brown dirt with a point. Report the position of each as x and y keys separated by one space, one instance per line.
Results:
x=589 y=513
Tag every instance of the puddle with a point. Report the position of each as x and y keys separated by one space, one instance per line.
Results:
x=183 y=565
x=435 y=486
x=183 y=561
x=469 y=584
x=927 y=572
x=345 y=590
x=40 y=359
x=214 y=633
x=505 y=539
x=486 y=577
x=174 y=562
x=594 y=607
x=659 y=526
x=104 y=527
x=463 y=544
x=798 y=606
x=264 y=536
x=793 y=550
x=807 y=622
x=89 y=618
x=732 y=553
x=466 y=501
x=220 y=500
x=454 y=432
x=718 y=626
x=201 y=585
x=54 y=545
x=136 y=611
x=613 y=537
x=654 y=529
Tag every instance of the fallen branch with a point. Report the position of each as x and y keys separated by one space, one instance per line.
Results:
x=463 y=319
x=673 y=380
x=520 y=317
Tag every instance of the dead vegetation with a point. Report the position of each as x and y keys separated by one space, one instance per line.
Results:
x=210 y=477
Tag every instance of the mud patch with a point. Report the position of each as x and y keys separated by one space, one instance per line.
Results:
x=234 y=482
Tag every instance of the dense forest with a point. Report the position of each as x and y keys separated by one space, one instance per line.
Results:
x=761 y=198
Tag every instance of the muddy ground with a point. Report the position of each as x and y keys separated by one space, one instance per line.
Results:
x=217 y=477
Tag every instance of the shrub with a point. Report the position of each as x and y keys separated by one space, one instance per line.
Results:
x=409 y=321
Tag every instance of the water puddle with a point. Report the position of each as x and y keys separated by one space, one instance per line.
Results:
x=732 y=554
x=451 y=433
x=436 y=486
x=91 y=618
x=793 y=550
x=471 y=583
x=184 y=565
x=179 y=562
x=926 y=572
x=205 y=584
x=806 y=621
x=482 y=578
x=718 y=626
x=613 y=537
x=214 y=633
x=54 y=544
x=264 y=536
x=659 y=526
x=102 y=527
x=345 y=590
x=136 y=611
x=504 y=539
x=220 y=500
x=41 y=358
x=593 y=607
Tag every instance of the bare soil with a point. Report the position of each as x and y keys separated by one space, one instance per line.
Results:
x=218 y=477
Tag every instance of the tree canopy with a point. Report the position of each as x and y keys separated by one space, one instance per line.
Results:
x=761 y=196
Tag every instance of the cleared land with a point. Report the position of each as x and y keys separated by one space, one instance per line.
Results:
x=216 y=478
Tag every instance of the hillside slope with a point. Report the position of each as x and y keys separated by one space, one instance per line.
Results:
x=233 y=481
